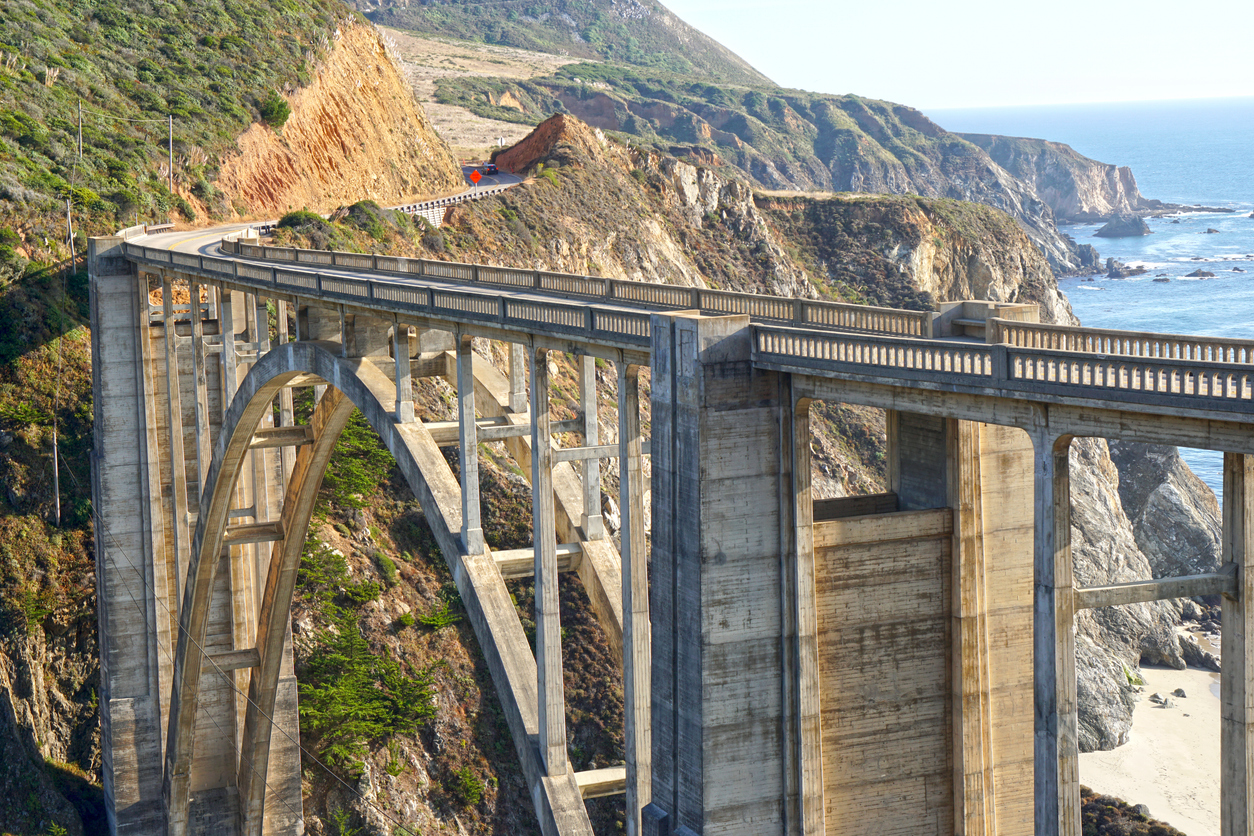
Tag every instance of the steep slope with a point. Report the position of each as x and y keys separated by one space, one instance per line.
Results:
x=640 y=32
x=776 y=139
x=355 y=132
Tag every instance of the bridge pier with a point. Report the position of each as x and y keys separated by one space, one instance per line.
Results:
x=1236 y=785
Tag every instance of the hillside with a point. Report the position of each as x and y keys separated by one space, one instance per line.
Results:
x=641 y=33
x=222 y=70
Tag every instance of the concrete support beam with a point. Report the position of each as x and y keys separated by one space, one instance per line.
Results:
x=521 y=563
x=589 y=456
x=636 y=630
x=446 y=433
x=259 y=532
x=592 y=523
x=598 y=783
x=285 y=436
x=1236 y=783
x=234 y=660
x=1159 y=589
x=550 y=688
x=472 y=530
x=1057 y=759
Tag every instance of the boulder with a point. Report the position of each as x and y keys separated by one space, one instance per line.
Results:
x=1212 y=232
x=1124 y=226
x=1201 y=274
x=1237 y=270
x=1179 y=692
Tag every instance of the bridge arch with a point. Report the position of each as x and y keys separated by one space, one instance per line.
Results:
x=352 y=383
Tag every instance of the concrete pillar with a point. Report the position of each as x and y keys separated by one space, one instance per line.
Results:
x=174 y=420
x=517 y=378
x=123 y=494
x=204 y=452
x=551 y=691
x=472 y=531
x=591 y=522
x=404 y=385
x=636 y=633
x=726 y=734
x=1236 y=788
x=286 y=410
x=1057 y=760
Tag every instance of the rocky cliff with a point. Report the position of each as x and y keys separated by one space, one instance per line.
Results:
x=355 y=132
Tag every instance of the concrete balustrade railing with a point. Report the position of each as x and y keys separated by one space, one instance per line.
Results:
x=1122 y=343
x=1164 y=381
x=800 y=312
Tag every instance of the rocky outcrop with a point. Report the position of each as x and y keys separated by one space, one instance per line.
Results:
x=355 y=133
x=1124 y=226
x=1119 y=270
x=1200 y=274
x=1075 y=188
x=1175 y=516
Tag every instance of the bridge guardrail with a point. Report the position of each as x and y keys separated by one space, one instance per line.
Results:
x=798 y=312
x=1122 y=343
x=1151 y=380
x=587 y=322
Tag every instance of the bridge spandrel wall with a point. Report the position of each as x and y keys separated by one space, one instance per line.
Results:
x=882 y=587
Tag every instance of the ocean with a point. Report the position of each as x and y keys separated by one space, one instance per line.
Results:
x=1189 y=152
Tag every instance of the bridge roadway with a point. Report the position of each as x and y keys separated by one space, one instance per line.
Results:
x=710 y=746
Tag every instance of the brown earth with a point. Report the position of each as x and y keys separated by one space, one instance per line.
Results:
x=355 y=133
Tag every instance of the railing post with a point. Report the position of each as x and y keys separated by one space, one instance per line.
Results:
x=550 y=689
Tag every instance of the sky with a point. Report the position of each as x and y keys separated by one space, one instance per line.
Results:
x=979 y=53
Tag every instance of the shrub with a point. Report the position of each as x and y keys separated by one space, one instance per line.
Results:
x=406 y=619
x=442 y=617
x=388 y=567
x=466 y=787
x=275 y=110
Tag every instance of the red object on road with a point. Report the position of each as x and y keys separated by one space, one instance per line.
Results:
x=475 y=176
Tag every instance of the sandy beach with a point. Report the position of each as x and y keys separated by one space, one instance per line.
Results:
x=1171 y=760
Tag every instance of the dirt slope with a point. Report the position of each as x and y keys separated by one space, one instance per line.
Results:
x=355 y=132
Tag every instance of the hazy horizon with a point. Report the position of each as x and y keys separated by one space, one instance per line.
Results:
x=980 y=54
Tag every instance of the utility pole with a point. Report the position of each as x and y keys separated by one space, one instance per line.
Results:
x=171 y=153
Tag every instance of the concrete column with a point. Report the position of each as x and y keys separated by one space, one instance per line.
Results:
x=1057 y=760
x=591 y=522
x=725 y=734
x=1236 y=788
x=552 y=708
x=974 y=795
x=131 y=725
x=404 y=385
x=517 y=378
x=472 y=531
x=286 y=411
x=174 y=421
x=230 y=366
x=204 y=453
x=636 y=634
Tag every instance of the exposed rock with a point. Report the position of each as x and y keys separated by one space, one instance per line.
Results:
x=1088 y=257
x=1179 y=692
x=1212 y=231
x=1124 y=226
x=1175 y=516
x=1119 y=270
x=1237 y=270
x=1162 y=280
x=1196 y=657
x=1200 y=274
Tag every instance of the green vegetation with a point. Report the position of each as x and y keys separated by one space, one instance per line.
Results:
x=443 y=616
x=466 y=787
x=358 y=466
x=274 y=110
x=350 y=696
x=639 y=33
x=214 y=65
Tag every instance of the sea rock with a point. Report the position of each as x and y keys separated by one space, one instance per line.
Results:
x=1175 y=222
x=1124 y=226
x=1237 y=270
x=1201 y=274
x=1119 y=270
x=1212 y=232
x=1088 y=257
x=1196 y=656
x=1162 y=280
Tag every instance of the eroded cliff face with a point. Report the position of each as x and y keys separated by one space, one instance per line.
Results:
x=355 y=133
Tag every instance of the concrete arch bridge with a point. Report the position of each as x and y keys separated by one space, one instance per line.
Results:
x=789 y=666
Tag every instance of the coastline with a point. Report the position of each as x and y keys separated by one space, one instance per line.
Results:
x=1171 y=760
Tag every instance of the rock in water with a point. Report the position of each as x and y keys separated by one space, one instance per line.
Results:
x=1124 y=226
x=1119 y=270
x=1212 y=232
x=1200 y=274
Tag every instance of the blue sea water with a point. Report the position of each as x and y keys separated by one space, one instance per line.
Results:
x=1194 y=152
